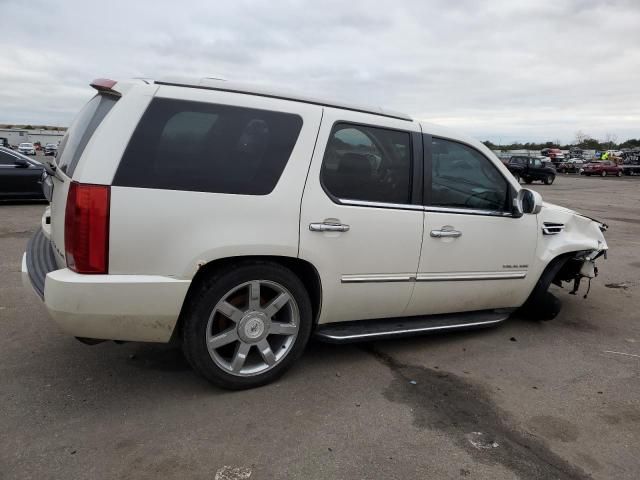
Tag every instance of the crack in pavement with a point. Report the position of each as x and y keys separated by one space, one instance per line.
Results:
x=461 y=409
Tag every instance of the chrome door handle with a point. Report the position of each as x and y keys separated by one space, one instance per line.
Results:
x=328 y=227
x=445 y=233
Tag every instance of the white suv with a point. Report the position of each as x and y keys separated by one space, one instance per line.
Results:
x=241 y=221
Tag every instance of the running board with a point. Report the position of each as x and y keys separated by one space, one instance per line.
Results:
x=365 y=330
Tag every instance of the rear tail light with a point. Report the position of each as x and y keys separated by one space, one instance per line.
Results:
x=86 y=228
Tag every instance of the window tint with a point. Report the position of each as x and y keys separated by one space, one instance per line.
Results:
x=6 y=158
x=368 y=163
x=75 y=140
x=203 y=147
x=536 y=162
x=464 y=178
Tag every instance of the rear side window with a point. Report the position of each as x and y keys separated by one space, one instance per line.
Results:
x=203 y=147
x=75 y=140
x=6 y=158
x=368 y=164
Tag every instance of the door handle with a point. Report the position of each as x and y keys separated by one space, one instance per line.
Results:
x=446 y=233
x=328 y=227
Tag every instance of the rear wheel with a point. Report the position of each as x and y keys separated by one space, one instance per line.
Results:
x=619 y=174
x=603 y=173
x=517 y=177
x=528 y=180
x=247 y=326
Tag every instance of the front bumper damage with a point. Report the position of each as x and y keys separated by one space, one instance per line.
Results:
x=578 y=267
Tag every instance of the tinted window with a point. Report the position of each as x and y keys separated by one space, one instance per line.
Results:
x=367 y=163
x=536 y=162
x=6 y=158
x=518 y=160
x=203 y=147
x=73 y=143
x=464 y=178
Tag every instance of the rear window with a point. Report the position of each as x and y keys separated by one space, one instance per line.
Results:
x=203 y=147
x=75 y=140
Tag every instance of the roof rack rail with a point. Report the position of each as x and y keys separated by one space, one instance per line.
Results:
x=226 y=86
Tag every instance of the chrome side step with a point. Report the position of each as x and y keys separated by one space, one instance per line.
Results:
x=368 y=330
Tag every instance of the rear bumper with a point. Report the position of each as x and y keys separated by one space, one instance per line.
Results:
x=113 y=307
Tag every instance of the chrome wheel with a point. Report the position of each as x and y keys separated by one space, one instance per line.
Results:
x=252 y=328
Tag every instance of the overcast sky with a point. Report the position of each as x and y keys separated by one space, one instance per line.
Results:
x=502 y=70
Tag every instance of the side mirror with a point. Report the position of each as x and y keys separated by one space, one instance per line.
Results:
x=21 y=163
x=527 y=201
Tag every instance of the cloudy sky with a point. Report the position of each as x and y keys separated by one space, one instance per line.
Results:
x=503 y=70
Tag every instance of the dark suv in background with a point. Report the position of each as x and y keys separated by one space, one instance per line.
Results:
x=531 y=169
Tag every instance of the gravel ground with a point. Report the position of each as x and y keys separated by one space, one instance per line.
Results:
x=522 y=400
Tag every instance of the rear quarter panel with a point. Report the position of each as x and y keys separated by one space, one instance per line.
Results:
x=101 y=156
x=172 y=233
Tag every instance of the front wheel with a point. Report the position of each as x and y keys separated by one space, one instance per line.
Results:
x=245 y=327
x=619 y=174
x=548 y=180
x=517 y=177
x=528 y=180
x=603 y=173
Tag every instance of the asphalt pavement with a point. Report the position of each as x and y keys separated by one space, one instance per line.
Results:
x=529 y=400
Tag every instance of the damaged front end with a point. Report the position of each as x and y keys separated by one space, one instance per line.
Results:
x=569 y=247
x=580 y=266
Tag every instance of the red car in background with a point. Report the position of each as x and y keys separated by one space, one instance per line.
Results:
x=602 y=168
x=554 y=154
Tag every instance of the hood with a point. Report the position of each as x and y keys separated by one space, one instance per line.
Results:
x=552 y=207
x=568 y=230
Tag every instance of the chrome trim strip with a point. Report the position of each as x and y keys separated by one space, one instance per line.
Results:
x=378 y=278
x=408 y=206
x=363 y=203
x=467 y=211
x=549 y=228
x=411 y=330
x=432 y=277
x=457 y=277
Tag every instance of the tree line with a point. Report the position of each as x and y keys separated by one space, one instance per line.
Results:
x=582 y=140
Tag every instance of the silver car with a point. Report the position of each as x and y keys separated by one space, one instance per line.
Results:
x=27 y=149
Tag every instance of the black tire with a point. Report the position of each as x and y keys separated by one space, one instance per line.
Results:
x=517 y=177
x=542 y=304
x=548 y=180
x=548 y=307
x=603 y=173
x=619 y=174
x=528 y=180
x=204 y=300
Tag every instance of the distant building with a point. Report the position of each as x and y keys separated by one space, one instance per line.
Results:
x=16 y=136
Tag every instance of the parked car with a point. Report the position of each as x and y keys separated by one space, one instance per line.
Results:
x=554 y=154
x=531 y=169
x=27 y=149
x=572 y=165
x=602 y=168
x=50 y=149
x=240 y=221
x=19 y=176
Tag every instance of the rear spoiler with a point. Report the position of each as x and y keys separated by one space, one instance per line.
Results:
x=105 y=85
